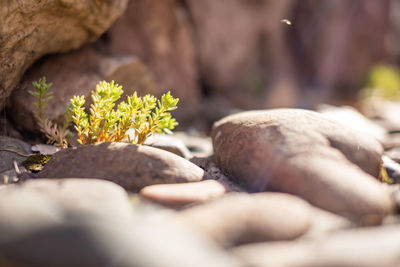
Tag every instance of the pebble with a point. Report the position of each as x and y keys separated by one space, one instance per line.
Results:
x=169 y=143
x=185 y=193
x=131 y=166
x=240 y=218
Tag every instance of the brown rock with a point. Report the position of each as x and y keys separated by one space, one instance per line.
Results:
x=185 y=193
x=254 y=52
x=31 y=29
x=243 y=218
x=131 y=166
x=304 y=153
x=199 y=146
x=159 y=33
x=326 y=36
x=169 y=143
x=353 y=119
x=233 y=53
x=76 y=73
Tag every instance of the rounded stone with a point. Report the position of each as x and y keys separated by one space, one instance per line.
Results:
x=131 y=166
x=240 y=218
x=184 y=193
x=304 y=153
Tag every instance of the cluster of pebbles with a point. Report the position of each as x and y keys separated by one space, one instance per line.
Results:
x=283 y=187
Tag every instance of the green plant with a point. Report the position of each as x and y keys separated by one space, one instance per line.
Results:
x=384 y=82
x=55 y=134
x=146 y=115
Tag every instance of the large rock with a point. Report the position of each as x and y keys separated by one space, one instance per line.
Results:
x=31 y=29
x=160 y=34
x=76 y=73
x=254 y=52
x=304 y=153
x=233 y=53
x=242 y=218
x=325 y=38
x=131 y=166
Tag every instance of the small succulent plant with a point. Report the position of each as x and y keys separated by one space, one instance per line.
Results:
x=145 y=115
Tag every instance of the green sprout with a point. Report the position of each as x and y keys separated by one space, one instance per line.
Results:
x=55 y=134
x=105 y=123
x=42 y=96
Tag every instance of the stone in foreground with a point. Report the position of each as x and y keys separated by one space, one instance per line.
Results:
x=131 y=166
x=240 y=218
x=91 y=223
x=184 y=193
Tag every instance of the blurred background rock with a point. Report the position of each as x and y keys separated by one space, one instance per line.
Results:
x=216 y=56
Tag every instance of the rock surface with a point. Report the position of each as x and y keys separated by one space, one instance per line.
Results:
x=256 y=54
x=242 y=218
x=325 y=223
x=199 y=146
x=384 y=111
x=304 y=153
x=353 y=119
x=208 y=164
x=31 y=29
x=164 y=43
x=7 y=145
x=169 y=143
x=131 y=166
x=367 y=247
x=233 y=55
x=327 y=35
x=11 y=149
x=183 y=194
